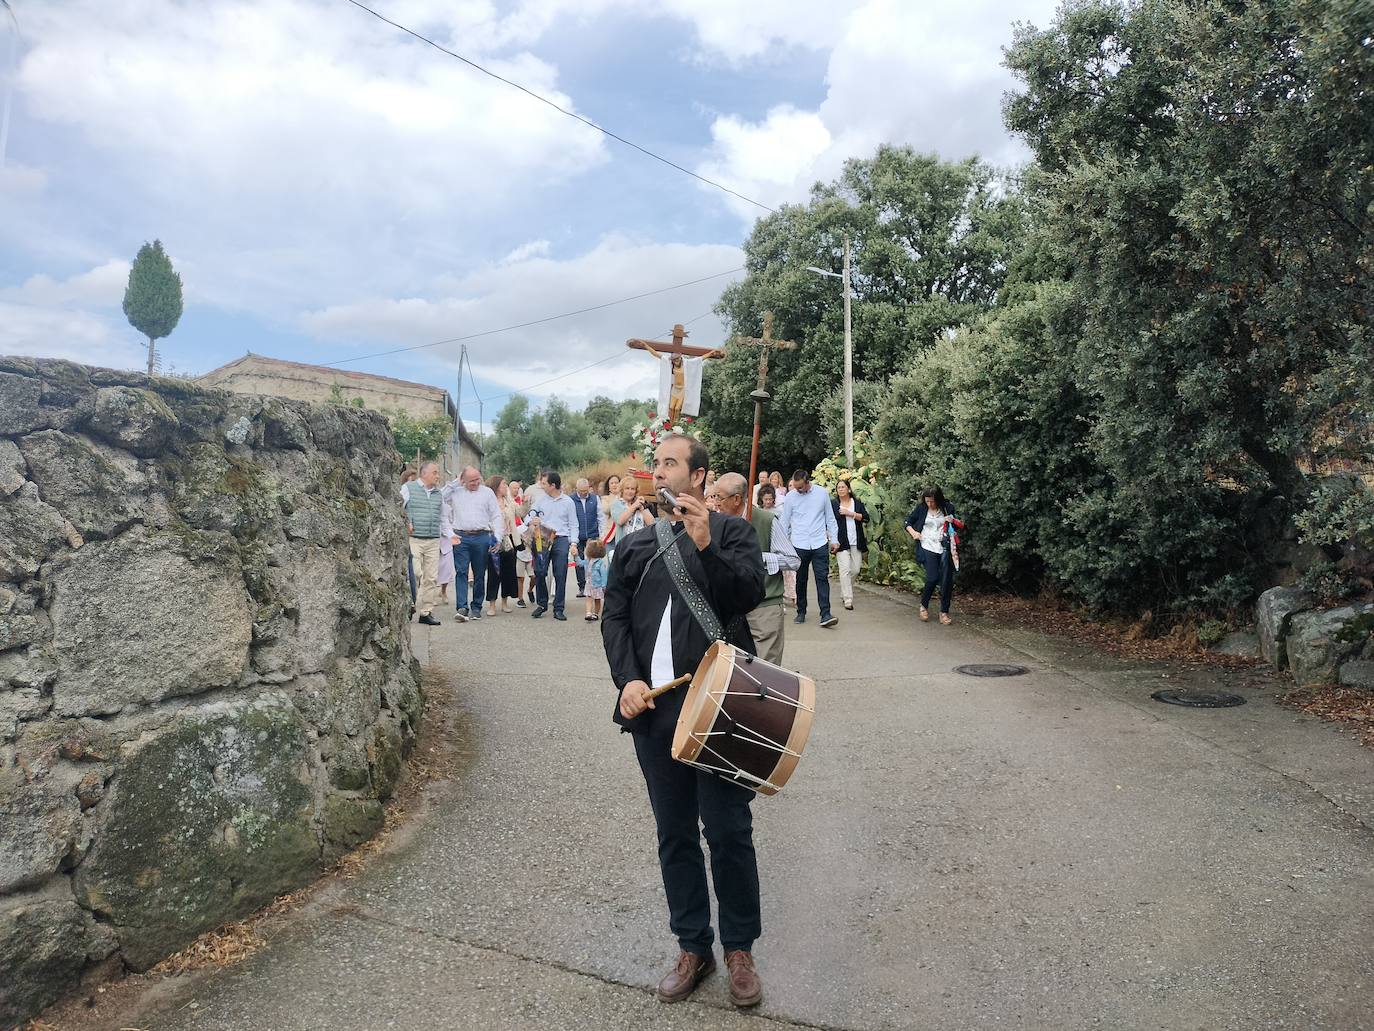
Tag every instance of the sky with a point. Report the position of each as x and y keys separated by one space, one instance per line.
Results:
x=331 y=188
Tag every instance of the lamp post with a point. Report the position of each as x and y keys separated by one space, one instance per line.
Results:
x=848 y=355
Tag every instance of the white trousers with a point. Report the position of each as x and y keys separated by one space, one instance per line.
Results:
x=851 y=561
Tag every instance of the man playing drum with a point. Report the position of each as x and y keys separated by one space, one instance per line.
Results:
x=651 y=637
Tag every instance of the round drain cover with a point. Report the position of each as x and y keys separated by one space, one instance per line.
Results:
x=991 y=669
x=1198 y=699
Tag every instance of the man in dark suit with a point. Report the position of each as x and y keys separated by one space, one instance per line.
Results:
x=588 y=507
x=651 y=637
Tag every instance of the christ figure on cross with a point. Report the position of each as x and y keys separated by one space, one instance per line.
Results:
x=679 y=375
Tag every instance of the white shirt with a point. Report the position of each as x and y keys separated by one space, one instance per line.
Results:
x=473 y=509
x=932 y=530
x=661 y=665
x=851 y=533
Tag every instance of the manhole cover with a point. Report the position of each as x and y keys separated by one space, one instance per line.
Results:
x=1198 y=699
x=991 y=669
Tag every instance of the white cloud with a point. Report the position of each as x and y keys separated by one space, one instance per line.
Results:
x=277 y=145
x=18 y=180
x=766 y=159
x=78 y=336
x=102 y=286
x=533 y=249
x=925 y=75
x=506 y=294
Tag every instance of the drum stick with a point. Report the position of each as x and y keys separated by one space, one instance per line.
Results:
x=670 y=685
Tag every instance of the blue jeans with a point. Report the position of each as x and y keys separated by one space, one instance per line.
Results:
x=939 y=573
x=473 y=550
x=814 y=560
x=555 y=556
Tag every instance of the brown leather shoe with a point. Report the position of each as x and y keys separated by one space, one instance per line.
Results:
x=745 y=987
x=683 y=979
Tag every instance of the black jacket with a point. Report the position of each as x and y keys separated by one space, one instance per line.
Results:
x=730 y=574
x=845 y=542
x=917 y=520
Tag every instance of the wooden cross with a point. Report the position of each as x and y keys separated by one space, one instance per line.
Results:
x=765 y=344
x=673 y=353
x=656 y=348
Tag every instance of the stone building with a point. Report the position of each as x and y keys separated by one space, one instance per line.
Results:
x=256 y=374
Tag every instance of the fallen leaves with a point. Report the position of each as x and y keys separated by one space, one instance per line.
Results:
x=1348 y=705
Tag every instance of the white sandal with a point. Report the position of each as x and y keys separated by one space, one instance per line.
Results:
x=925 y=614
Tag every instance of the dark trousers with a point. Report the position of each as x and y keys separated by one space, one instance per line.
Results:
x=939 y=573
x=555 y=558
x=472 y=550
x=681 y=796
x=814 y=560
x=581 y=567
x=410 y=575
x=501 y=581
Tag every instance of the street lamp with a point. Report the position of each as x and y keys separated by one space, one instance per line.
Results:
x=848 y=355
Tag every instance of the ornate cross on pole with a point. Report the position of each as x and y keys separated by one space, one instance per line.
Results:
x=765 y=344
x=674 y=353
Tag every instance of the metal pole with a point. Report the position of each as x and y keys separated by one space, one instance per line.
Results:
x=458 y=408
x=760 y=396
x=848 y=368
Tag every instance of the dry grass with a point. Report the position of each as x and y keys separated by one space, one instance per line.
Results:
x=1142 y=639
x=598 y=472
x=218 y=948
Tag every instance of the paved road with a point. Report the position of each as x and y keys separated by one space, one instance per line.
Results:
x=1051 y=851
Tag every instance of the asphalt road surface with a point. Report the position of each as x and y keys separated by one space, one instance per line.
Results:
x=1053 y=850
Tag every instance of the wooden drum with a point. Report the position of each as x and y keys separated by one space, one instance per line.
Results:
x=745 y=719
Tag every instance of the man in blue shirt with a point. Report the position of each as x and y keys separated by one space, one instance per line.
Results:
x=557 y=516
x=809 y=521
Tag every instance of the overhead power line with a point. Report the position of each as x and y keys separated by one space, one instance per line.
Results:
x=537 y=322
x=562 y=110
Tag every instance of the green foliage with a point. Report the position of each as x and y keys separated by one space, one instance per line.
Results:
x=1187 y=322
x=1341 y=510
x=1361 y=628
x=996 y=418
x=930 y=244
x=1209 y=169
x=891 y=559
x=1211 y=631
x=336 y=397
x=431 y=437
x=152 y=300
x=1328 y=584
x=526 y=439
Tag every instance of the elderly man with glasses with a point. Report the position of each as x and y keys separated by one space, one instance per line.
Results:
x=765 y=621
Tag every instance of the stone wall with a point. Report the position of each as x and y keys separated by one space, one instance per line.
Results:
x=1318 y=646
x=258 y=374
x=206 y=684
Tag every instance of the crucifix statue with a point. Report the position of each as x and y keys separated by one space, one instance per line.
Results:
x=679 y=378
x=760 y=395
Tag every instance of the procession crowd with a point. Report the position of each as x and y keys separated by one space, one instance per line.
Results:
x=500 y=545
x=729 y=570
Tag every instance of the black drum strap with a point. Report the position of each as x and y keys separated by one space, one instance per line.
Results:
x=687 y=588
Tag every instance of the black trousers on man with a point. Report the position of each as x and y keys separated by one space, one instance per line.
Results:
x=680 y=796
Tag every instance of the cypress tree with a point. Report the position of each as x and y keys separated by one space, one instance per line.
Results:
x=152 y=301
